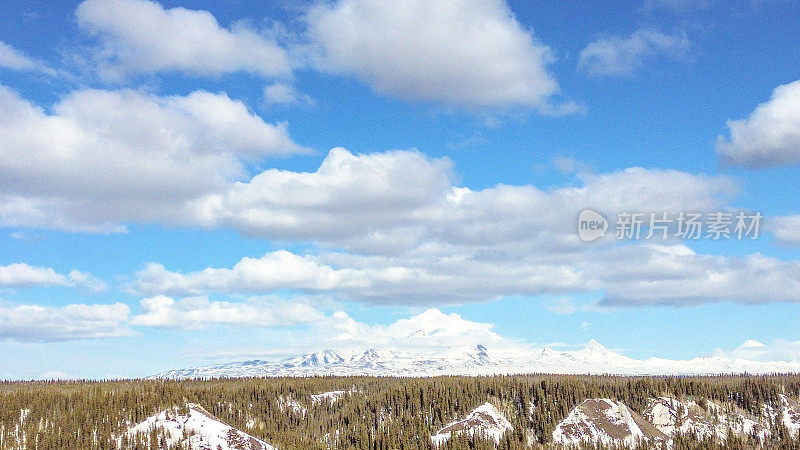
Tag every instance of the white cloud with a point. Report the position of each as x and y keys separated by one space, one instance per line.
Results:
x=194 y=313
x=140 y=36
x=285 y=94
x=402 y=200
x=24 y=275
x=777 y=350
x=630 y=275
x=786 y=229
x=30 y=323
x=86 y=281
x=406 y=235
x=617 y=55
x=429 y=331
x=21 y=274
x=275 y=271
x=106 y=157
x=348 y=196
x=770 y=136
x=467 y=53
x=675 y=275
x=13 y=59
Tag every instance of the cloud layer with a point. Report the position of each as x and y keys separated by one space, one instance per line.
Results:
x=408 y=236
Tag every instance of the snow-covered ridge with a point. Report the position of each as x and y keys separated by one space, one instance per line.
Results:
x=197 y=429
x=608 y=422
x=690 y=418
x=790 y=414
x=478 y=360
x=485 y=421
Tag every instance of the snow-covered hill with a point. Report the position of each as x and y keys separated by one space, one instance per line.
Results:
x=485 y=421
x=672 y=417
x=608 y=422
x=478 y=360
x=197 y=429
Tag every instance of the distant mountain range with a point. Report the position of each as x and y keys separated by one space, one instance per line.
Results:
x=478 y=360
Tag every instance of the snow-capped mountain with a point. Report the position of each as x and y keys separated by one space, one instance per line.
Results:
x=485 y=421
x=318 y=359
x=480 y=360
x=197 y=429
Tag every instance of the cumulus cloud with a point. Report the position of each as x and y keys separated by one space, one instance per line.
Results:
x=140 y=36
x=786 y=229
x=105 y=157
x=618 y=55
x=21 y=274
x=467 y=53
x=194 y=313
x=275 y=271
x=430 y=330
x=30 y=323
x=285 y=94
x=770 y=137
x=401 y=200
x=348 y=196
x=86 y=281
x=24 y=275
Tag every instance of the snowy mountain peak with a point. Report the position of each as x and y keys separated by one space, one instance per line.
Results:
x=317 y=359
x=474 y=355
x=372 y=355
x=751 y=343
x=594 y=346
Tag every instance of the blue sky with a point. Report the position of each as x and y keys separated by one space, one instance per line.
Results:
x=184 y=183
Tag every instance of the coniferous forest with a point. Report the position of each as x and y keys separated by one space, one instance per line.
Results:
x=378 y=413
